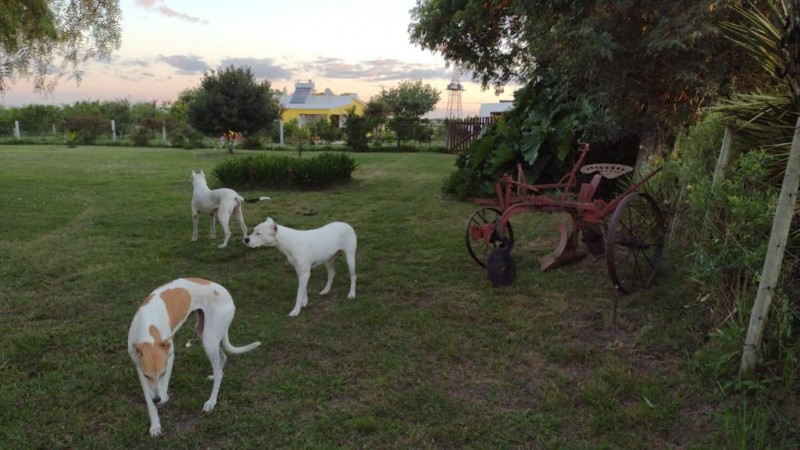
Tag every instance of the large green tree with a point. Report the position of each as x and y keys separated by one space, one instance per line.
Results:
x=230 y=100
x=49 y=39
x=406 y=103
x=646 y=66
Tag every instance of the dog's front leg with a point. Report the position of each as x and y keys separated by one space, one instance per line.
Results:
x=152 y=411
x=302 y=290
x=163 y=384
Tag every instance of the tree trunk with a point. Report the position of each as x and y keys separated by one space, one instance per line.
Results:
x=651 y=144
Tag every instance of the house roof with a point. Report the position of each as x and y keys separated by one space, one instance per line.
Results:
x=486 y=109
x=304 y=97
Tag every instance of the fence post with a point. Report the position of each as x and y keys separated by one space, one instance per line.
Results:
x=16 y=129
x=781 y=224
x=113 y=131
x=724 y=156
x=719 y=170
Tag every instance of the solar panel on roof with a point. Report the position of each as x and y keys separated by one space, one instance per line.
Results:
x=300 y=95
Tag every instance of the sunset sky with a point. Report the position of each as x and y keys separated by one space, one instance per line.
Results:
x=356 y=46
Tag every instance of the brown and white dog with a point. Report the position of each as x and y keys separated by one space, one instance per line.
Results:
x=155 y=323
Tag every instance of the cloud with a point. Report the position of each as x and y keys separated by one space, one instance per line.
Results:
x=376 y=70
x=161 y=7
x=134 y=63
x=264 y=68
x=186 y=65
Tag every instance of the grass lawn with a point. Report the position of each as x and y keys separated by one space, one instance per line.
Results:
x=428 y=355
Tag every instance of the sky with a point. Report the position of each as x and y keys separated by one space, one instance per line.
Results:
x=347 y=46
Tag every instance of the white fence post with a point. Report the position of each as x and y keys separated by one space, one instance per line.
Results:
x=113 y=131
x=16 y=129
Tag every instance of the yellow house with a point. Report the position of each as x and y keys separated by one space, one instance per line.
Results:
x=306 y=106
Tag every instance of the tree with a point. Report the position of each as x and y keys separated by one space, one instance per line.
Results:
x=646 y=66
x=230 y=101
x=326 y=129
x=33 y=33
x=357 y=129
x=407 y=103
x=38 y=119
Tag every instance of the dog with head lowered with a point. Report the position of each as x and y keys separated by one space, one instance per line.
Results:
x=150 y=343
x=219 y=204
x=308 y=248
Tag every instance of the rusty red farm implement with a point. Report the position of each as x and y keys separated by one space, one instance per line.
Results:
x=629 y=229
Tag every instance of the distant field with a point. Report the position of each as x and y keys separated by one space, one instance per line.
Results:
x=428 y=355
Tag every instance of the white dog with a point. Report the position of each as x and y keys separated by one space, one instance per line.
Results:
x=308 y=248
x=155 y=323
x=220 y=202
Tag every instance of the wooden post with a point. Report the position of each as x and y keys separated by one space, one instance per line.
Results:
x=724 y=156
x=774 y=259
x=719 y=170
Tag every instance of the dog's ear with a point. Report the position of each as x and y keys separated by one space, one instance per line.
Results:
x=165 y=344
x=202 y=173
x=274 y=228
x=139 y=349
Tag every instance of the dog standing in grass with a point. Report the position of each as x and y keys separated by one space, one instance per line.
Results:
x=219 y=204
x=158 y=319
x=308 y=248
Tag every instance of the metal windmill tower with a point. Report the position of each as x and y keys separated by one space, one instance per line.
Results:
x=454 y=96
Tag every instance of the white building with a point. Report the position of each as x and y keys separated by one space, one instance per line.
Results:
x=495 y=109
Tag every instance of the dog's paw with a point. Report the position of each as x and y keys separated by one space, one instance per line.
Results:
x=222 y=245
x=351 y=295
x=155 y=430
x=210 y=404
x=194 y=238
x=294 y=313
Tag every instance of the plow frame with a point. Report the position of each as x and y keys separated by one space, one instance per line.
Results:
x=631 y=225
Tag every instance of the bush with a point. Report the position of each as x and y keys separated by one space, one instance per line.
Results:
x=187 y=138
x=86 y=127
x=287 y=172
x=141 y=137
x=252 y=142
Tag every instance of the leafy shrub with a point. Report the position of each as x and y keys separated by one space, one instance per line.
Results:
x=71 y=139
x=726 y=229
x=187 y=138
x=252 y=142
x=87 y=127
x=141 y=137
x=358 y=127
x=286 y=172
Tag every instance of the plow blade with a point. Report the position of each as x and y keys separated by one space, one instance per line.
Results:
x=564 y=253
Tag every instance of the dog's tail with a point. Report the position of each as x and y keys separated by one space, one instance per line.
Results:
x=244 y=349
x=256 y=199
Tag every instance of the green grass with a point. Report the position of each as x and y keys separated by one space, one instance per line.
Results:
x=428 y=355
